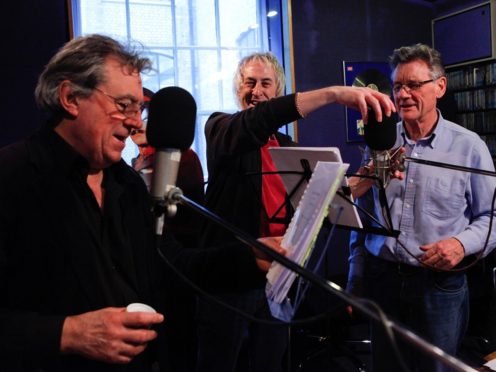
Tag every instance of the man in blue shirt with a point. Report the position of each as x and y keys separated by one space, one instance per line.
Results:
x=443 y=216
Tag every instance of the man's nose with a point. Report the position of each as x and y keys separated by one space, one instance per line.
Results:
x=404 y=92
x=257 y=89
x=134 y=122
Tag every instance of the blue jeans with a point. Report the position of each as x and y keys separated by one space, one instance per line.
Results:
x=434 y=305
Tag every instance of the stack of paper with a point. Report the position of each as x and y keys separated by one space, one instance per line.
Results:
x=305 y=225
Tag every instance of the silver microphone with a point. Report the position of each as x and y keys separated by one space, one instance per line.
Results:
x=170 y=130
x=382 y=165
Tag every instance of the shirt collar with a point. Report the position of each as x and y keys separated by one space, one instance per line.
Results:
x=433 y=139
x=69 y=162
x=66 y=159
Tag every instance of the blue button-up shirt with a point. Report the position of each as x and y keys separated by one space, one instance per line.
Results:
x=433 y=203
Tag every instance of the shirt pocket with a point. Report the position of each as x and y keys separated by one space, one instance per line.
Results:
x=445 y=197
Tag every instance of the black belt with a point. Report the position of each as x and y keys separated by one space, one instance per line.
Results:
x=405 y=269
x=400 y=267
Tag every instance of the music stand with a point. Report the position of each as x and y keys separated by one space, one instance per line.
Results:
x=301 y=235
x=295 y=164
x=289 y=159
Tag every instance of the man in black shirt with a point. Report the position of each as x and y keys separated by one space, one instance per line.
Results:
x=77 y=241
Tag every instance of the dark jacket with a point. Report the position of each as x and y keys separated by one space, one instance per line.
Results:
x=49 y=255
x=233 y=152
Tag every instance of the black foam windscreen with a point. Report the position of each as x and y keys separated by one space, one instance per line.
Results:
x=171 y=119
x=380 y=136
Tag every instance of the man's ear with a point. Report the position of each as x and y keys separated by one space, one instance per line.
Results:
x=67 y=99
x=441 y=85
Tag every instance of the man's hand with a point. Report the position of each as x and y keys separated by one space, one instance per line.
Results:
x=264 y=261
x=398 y=163
x=110 y=335
x=360 y=185
x=444 y=254
x=361 y=99
x=358 y=98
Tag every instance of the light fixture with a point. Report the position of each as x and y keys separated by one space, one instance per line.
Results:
x=272 y=13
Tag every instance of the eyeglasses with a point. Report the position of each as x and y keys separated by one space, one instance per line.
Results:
x=411 y=86
x=125 y=106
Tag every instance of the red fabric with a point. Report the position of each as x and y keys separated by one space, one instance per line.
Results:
x=273 y=193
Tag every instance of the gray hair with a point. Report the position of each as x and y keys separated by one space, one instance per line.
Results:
x=266 y=58
x=81 y=61
x=422 y=52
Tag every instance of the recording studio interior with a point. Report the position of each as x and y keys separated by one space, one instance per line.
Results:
x=319 y=43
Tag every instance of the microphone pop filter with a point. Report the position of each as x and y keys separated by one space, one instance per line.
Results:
x=171 y=119
x=380 y=136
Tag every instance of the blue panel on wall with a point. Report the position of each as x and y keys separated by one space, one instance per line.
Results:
x=464 y=36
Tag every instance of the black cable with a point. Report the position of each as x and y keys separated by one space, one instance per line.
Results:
x=384 y=322
x=300 y=322
x=387 y=329
x=387 y=217
x=217 y=301
x=478 y=257
x=323 y=284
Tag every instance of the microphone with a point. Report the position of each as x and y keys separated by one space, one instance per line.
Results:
x=380 y=137
x=170 y=129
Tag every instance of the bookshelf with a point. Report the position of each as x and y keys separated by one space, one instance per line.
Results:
x=474 y=91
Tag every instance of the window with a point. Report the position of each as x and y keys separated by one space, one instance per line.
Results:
x=194 y=44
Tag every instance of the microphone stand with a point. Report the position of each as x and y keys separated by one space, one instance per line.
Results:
x=450 y=166
x=326 y=285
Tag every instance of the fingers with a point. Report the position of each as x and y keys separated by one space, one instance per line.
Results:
x=110 y=334
x=134 y=337
x=363 y=98
x=141 y=319
x=444 y=254
x=263 y=265
x=376 y=108
x=126 y=352
x=141 y=336
x=271 y=240
x=437 y=261
x=398 y=165
x=399 y=175
x=264 y=262
x=379 y=103
x=363 y=107
x=274 y=243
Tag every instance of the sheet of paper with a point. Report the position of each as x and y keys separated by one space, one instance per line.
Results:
x=491 y=364
x=305 y=225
